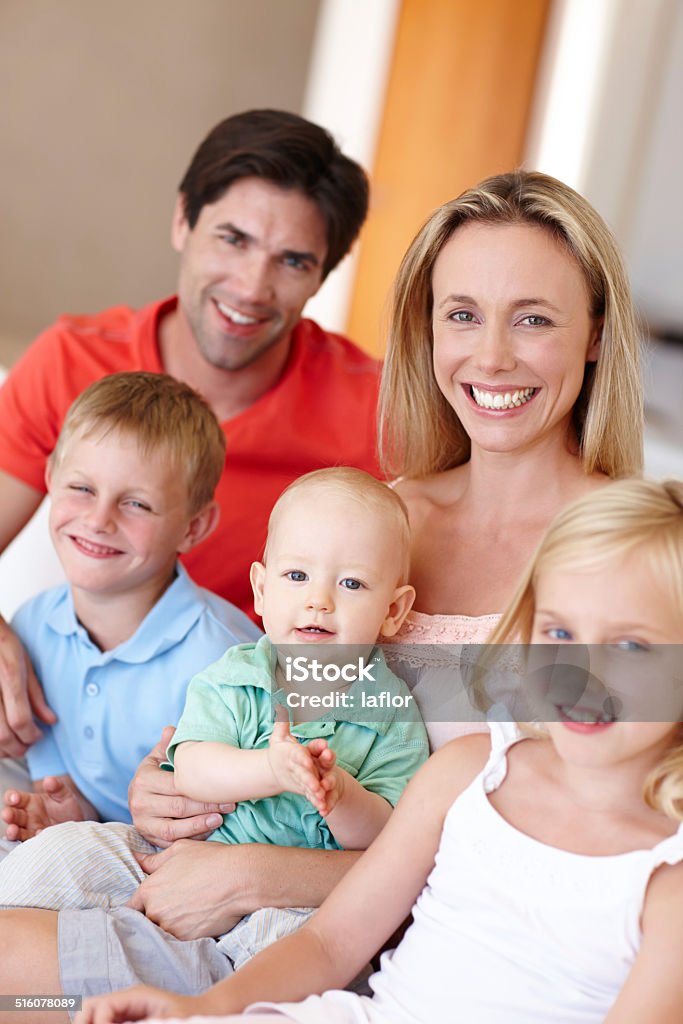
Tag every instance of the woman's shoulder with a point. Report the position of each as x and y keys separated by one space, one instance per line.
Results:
x=437 y=490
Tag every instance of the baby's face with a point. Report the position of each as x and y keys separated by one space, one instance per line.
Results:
x=332 y=574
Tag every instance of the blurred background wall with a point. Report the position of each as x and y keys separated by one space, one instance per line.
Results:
x=103 y=105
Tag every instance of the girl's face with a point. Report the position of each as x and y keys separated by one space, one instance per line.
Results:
x=512 y=334
x=615 y=631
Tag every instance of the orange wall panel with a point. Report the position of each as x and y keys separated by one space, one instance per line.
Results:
x=457 y=107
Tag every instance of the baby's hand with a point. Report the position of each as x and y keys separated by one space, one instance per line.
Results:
x=27 y=814
x=294 y=767
x=331 y=777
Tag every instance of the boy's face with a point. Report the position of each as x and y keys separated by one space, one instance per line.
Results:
x=332 y=573
x=117 y=519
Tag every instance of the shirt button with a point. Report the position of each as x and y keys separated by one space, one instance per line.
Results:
x=88 y=732
x=92 y=689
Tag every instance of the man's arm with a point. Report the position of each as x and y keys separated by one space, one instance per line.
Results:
x=195 y=890
x=21 y=696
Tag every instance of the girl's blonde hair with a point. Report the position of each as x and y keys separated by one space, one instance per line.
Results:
x=419 y=433
x=624 y=517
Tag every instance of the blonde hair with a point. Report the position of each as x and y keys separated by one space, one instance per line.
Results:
x=624 y=517
x=361 y=487
x=162 y=414
x=419 y=433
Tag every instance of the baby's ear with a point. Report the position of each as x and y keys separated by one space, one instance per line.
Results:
x=401 y=603
x=200 y=526
x=257 y=576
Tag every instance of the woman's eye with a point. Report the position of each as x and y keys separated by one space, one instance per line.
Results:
x=461 y=316
x=350 y=584
x=296 y=576
x=534 y=320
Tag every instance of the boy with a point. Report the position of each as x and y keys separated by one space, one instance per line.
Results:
x=333 y=579
x=131 y=482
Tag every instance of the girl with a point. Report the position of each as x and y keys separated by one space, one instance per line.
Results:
x=545 y=870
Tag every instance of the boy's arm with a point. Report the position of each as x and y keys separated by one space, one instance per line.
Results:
x=54 y=799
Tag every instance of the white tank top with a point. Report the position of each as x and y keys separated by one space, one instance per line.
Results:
x=509 y=930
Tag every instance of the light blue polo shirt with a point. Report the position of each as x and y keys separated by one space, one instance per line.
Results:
x=112 y=705
x=232 y=702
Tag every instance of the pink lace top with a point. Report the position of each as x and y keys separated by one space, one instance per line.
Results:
x=420 y=628
x=427 y=653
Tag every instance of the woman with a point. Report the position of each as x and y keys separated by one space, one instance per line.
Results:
x=511 y=387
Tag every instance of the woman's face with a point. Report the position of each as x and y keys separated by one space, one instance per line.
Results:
x=512 y=335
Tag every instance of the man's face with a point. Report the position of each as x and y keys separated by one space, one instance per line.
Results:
x=247 y=268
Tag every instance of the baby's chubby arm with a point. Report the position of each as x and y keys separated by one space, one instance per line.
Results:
x=54 y=799
x=219 y=772
x=354 y=814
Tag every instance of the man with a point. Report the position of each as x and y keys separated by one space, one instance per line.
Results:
x=267 y=208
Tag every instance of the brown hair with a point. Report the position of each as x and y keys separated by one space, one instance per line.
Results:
x=291 y=152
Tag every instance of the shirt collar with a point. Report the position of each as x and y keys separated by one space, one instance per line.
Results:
x=257 y=668
x=165 y=625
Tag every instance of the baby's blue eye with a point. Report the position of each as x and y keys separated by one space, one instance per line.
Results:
x=350 y=584
x=296 y=576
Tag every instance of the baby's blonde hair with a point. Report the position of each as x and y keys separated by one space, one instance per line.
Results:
x=623 y=518
x=162 y=414
x=361 y=487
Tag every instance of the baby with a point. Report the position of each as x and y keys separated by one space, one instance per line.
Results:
x=333 y=579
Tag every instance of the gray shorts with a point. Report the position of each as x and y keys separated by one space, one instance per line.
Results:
x=104 y=950
x=101 y=951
